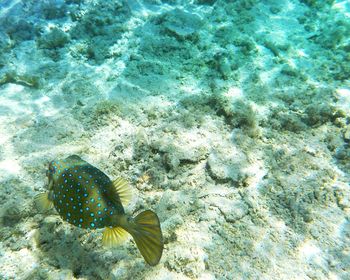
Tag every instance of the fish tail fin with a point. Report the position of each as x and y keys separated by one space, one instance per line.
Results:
x=147 y=234
x=42 y=202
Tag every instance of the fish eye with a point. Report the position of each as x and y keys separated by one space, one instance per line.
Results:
x=51 y=169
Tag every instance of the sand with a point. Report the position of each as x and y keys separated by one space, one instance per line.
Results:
x=230 y=119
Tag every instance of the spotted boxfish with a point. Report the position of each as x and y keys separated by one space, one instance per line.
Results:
x=85 y=197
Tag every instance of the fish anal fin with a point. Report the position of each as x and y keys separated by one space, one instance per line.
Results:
x=123 y=190
x=114 y=236
x=42 y=202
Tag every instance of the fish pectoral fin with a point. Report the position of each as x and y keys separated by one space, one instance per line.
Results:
x=114 y=236
x=42 y=202
x=123 y=190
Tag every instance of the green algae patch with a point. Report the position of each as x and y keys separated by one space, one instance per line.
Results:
x=26 y=80
x=56 y=38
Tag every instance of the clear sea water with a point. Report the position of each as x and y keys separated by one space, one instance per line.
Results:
x=230 y=119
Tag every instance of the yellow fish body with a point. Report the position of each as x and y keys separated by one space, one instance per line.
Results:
x=85 y=197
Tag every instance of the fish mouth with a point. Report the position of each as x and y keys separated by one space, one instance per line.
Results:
x=50 y=185
x=49 y=174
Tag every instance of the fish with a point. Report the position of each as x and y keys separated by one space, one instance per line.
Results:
x=87 y=198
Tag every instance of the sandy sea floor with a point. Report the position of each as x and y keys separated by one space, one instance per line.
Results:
x=230 y=119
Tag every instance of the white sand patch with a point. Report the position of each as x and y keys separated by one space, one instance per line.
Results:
x=22 y=262
x=228 y=118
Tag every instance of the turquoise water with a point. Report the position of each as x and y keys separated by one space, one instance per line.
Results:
x=229 y=119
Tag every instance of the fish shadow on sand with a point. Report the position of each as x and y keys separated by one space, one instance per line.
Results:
x=73 y=251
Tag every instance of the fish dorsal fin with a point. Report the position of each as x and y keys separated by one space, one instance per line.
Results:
x=74 y=157
x=122 y=189
x=42 y=202
x=114 y=236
